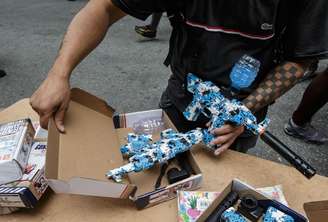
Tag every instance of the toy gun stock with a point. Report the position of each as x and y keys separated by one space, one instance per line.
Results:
x=295 y=160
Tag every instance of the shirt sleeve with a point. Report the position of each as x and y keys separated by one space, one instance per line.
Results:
x=306 y=34
x=141 y=9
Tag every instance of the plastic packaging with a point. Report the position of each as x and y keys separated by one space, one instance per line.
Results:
x=148 y=126
x=244 y=72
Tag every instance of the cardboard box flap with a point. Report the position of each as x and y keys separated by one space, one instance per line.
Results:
x=89 y=187
x=88 y=149
x=92 y=102
x=317 y=211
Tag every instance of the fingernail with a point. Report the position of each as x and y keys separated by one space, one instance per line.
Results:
x=62 y=129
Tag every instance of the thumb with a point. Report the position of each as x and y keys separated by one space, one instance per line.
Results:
x=59 y=119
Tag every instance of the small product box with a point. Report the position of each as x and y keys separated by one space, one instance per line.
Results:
x=241 y=202
x=15 y=146
x=77 y=161
x=28 y=190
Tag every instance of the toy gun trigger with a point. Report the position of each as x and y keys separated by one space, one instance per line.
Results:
x=206 y=112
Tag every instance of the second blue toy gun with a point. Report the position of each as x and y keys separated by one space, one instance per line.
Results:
x=143 y=154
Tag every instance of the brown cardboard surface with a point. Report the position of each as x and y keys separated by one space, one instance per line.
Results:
x=217 y=174
x=80 y=149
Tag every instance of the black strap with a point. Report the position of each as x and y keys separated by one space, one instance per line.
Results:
x=281 y=24
x=178 y=31
x=160 y=176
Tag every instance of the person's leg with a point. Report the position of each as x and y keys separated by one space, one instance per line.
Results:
x=149 y=31
x=156 y=17
x=314 y=98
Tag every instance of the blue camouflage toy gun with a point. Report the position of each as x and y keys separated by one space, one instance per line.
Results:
x=208 y=100
x=144 y=154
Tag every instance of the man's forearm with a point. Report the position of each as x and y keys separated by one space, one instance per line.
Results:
x=278 y=82
x=84 y=33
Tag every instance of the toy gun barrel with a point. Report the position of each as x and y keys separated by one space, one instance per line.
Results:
x=301 y=165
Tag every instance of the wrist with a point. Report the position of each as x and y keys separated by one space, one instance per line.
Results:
x=60 y=70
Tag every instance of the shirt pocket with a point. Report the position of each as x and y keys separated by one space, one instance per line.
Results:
x=254 y=19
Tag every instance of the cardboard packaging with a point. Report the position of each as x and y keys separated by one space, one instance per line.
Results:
x=76 y=162
x=27 y=191
x=243 y=189
x=191 y=204
x=15 y=146
x=317 y=211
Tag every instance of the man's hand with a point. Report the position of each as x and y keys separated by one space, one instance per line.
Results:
x=51 y=100
x=225 y=136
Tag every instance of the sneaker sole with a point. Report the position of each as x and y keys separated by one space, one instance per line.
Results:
x=295 y=135
x=142 y=38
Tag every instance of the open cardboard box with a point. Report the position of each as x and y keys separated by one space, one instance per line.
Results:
x=244 y=189
x=76 y=162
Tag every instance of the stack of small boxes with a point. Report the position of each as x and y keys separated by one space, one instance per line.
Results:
x=22 y=152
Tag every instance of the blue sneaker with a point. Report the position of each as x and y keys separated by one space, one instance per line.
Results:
x=307 y=133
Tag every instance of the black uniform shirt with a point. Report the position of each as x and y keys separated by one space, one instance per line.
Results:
x=214 y=34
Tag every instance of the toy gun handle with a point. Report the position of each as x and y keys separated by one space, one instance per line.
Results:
x=301 y=165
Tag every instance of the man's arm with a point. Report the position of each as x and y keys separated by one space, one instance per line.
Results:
x=85 y=32
x=278 y=82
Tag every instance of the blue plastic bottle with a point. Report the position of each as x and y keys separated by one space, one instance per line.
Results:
x=244 y=72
